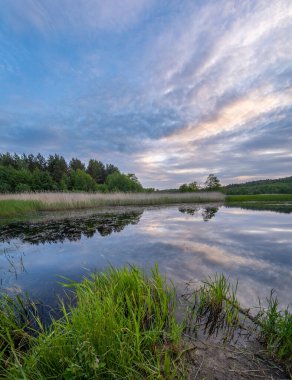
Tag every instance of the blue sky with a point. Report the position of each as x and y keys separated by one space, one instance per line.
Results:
x=171 y=90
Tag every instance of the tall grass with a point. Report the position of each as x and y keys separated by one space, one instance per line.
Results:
x=276 y=329
x=215 y=304
x=123 y=327
x=13 y=204
x=11 y=207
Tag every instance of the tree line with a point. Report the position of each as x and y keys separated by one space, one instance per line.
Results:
x=36 y=173
x=212 y=183
x=267 y=186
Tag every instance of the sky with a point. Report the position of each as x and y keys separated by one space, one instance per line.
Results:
x=171 y=90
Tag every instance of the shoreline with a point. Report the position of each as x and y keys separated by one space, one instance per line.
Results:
x=130 y=324
x=13 y=205
x=21 y=204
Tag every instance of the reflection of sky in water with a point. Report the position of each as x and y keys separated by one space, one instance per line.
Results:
x=253 y=246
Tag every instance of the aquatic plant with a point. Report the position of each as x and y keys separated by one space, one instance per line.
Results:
x=122 y=326
x=215 y=304
x=275 y=328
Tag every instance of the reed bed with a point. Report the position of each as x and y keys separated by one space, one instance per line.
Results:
x=11 y=204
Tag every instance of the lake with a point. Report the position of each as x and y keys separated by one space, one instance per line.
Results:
x=188 y=242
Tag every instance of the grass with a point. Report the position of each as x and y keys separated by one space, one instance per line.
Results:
x=215 y=303
x=19 y=204
x=259 y=198
x=276 y=329
x=11 y=207
x=123 y=326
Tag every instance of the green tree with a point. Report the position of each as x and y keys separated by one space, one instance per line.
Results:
x=110 y=169
x=41 y=180
x=5 y=179
x=191 y=187
x=121 y=182
x=82 y=181
x=184 y=188
x=212 y=183
x=75 y=164
x=97 y=170
x=57 y=167
x=6 y=159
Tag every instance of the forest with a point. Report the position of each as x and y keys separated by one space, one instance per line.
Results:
x=36 y=173
x=267 y=186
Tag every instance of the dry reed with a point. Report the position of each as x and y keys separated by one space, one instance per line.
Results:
x=96 y=199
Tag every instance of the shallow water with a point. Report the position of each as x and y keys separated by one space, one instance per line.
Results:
x=189 y=242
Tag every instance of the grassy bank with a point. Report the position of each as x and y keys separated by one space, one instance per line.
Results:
x=259 y=198
x=123 y=325
x=11 y=207
x=13 y=204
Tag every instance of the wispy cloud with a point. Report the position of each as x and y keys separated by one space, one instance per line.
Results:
x=171 y=91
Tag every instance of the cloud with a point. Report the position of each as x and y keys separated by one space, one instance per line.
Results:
x=171 y=91
x=73 y=17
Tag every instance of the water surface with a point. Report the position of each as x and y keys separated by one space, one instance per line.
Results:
x=188 y=243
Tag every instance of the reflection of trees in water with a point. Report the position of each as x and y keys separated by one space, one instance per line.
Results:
x=69 y=228
x=207 y=212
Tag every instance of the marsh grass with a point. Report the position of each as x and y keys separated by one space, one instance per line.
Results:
x=215 y=305
x=122 y=326
x=17 y=316
x=276 y=329
x=13 y=207
x=13 y=204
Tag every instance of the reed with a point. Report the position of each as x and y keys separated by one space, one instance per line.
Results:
x=13 y=204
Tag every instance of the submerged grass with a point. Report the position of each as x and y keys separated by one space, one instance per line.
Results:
x=12 y=204
x=123 y=326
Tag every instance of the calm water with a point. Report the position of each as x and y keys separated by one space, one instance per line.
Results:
x=187 y=242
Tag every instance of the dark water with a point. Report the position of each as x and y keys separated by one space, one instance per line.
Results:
x=187 y=242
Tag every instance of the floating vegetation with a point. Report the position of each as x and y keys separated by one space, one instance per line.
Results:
x=72 y=229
